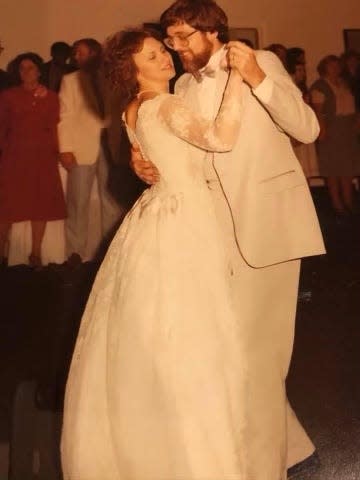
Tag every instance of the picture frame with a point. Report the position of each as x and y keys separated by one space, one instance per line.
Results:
x=247 y=34
x=153 y=26
x=352 y=39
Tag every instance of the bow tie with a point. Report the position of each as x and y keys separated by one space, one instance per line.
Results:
x=205 y=72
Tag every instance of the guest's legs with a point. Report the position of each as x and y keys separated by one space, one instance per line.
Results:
x=79 y=184
x=37 y=235
x=4 y=235
x=333 y=185
x=347 y=191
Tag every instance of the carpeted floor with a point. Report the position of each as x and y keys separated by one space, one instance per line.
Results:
x=40 y=312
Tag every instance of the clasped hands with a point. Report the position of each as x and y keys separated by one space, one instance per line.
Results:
x=239 y=57
x=242 y=58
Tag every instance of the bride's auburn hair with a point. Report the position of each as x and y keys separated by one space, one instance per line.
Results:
x=118 y=61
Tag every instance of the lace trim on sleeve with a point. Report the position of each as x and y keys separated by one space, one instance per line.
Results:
x=218 y=136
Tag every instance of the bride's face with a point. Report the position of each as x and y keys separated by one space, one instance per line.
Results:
x=154 y=62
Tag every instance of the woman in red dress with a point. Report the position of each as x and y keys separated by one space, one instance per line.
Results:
x=30 y=185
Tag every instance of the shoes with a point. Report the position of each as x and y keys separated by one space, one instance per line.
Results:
x=342 y=217
x=35 y=261
x=354 y=211
x=308 y=466
x=3 y=263
x=74 y=260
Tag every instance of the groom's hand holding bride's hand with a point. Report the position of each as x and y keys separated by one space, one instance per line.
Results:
x=143 y=168
x=243 y=59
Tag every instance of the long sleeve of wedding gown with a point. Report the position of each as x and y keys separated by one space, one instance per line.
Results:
x=217 y=135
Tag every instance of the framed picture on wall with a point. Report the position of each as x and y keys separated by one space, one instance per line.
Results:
x=153 y=26
x=352 y=39
x=247 y=35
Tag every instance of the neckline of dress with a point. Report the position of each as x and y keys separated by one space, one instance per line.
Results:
x=141 y=106
x=151 y=100
x=150 y=91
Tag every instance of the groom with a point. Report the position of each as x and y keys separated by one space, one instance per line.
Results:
x=265 y=212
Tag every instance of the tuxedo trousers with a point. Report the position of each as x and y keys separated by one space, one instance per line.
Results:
x=265 y=301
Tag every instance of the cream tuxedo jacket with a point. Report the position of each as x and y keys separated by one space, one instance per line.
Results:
x=270 y=202
x=80 y=127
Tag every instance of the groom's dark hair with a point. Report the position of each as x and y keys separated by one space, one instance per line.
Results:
x=203 y=15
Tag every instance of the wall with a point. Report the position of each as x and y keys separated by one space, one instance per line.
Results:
x=314 y=24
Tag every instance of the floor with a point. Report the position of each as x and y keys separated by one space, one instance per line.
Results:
x=41 y=310
x=324 y=381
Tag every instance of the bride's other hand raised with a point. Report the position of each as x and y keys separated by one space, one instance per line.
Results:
x=243 y=59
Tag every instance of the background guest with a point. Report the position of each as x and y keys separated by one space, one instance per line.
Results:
x=295 y=56
x=350 y=71
x=30 y=186
x=247 y=42
x=82 y=123
x=279 y=50
x=305 y=153
x=4 y=76
x=338 y=148
x=57 y=67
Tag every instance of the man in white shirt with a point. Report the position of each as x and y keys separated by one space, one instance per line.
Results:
x=265 y=211
x=82 y=122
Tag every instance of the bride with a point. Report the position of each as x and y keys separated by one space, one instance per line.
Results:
x=157 y=385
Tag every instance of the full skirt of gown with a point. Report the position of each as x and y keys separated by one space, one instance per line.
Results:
x=157 y=385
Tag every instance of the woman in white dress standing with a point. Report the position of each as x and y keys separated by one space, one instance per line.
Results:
x=157 y=385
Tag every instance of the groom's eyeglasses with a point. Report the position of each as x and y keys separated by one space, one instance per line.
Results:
x=182 y=40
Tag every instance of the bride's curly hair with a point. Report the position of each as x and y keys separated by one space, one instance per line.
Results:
x=118 y=62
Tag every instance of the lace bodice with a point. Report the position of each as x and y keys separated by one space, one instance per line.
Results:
x=167 y=131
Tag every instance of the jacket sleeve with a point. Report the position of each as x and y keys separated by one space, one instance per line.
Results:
x=283 y=100
x=67 y=114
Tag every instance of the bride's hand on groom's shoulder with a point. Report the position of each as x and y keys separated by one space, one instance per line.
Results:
x=243 y=59
x=143 y=168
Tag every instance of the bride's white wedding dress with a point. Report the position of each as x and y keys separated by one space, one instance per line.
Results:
x=156 y=386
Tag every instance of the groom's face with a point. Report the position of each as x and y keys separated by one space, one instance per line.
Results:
x=194 y=47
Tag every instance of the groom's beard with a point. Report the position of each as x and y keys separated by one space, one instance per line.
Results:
x=193 y=62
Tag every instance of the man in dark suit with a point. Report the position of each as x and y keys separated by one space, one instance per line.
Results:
x=57 y=67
